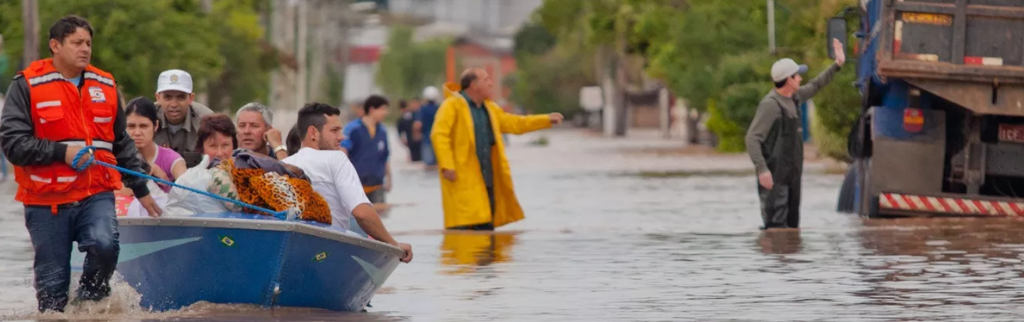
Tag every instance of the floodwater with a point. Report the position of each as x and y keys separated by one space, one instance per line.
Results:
x=603 y=243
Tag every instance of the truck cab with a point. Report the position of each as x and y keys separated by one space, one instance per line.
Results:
x=941 y=130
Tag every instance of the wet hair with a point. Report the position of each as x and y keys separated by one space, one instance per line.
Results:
x=314 y=114
x=268 y=116
x=216 y=123
x=294 y=140
x=66 y=26
x=468 y=77
x=143 y=107
x=374 y=102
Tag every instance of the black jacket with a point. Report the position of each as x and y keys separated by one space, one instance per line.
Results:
x=23 y=148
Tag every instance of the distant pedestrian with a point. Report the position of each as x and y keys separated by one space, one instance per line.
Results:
x=405 y=129
x=775 y=143
x=3 y=165
x=3 y=161
x=425 y=123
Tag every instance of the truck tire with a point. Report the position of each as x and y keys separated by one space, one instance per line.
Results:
x=846 y=192
x=872 y=210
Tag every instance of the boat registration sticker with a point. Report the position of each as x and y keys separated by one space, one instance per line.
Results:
x=320 y=256
x=928 y=18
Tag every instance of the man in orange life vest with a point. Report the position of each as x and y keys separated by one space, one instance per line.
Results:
x=54 y=109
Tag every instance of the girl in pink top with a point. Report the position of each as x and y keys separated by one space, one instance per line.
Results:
x=142 y=124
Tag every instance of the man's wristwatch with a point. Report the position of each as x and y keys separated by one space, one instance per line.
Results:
x=280 y=148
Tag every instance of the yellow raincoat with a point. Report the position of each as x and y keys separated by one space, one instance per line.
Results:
x=465 y=200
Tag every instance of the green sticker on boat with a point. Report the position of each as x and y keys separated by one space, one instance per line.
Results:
x=320 y=256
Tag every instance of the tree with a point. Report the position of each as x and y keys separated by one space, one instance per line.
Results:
x=406 y=67
x=248 y=59
x=136 y=40
x=712 y=53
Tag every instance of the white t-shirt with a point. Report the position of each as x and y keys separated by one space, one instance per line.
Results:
x=334 y=178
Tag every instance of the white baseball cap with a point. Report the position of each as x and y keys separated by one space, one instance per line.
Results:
x=785 y=68
x=431 y=93
x=174 y=80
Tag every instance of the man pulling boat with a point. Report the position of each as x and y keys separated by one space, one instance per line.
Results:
x=54 y=109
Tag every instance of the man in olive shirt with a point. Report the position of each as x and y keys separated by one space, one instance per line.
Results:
x=179 y=115
x=774 y=140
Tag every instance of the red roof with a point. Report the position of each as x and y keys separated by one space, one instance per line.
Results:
x=364 y=54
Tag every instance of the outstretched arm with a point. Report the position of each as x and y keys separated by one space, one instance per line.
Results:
x=519 y=124
x=823 y=79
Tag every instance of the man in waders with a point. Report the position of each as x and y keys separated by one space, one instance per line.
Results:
x=54 y=109
x=774 y=140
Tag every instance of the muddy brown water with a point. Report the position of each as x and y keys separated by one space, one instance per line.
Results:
x=599 y=244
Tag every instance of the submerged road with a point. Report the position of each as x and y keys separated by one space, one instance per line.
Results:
x=636 y=229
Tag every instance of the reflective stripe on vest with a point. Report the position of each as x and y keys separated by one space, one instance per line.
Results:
x=48 y=180
x=99 y=144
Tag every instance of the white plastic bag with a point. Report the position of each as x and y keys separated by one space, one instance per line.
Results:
x=183 y=203
x=135 y=208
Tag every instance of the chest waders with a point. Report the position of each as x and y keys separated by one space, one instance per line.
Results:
x=780 y=206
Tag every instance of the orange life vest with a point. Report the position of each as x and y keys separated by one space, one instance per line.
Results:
x=74 y=116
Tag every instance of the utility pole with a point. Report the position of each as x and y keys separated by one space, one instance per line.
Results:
x=300 y=55
x=771 y=26
x=30 y=18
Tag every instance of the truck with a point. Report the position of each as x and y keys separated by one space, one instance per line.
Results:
x=941 y=127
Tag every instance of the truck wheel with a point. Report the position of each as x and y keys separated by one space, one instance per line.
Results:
x=872 y=210
x=846 y=192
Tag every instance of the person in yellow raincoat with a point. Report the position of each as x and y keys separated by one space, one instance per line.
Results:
x=476 y=183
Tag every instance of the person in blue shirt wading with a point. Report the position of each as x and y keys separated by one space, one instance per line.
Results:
x=366 y=143
x=425 y=122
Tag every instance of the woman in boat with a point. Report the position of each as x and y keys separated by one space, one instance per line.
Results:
x=217 y=136
x=142 y=124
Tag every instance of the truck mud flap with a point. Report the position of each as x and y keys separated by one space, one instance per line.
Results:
x=847 y=192
x=948 y=205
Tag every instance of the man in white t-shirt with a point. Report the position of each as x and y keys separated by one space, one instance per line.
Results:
x=333 y=176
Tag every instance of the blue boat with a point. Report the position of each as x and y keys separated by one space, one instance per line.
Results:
x=233 y=258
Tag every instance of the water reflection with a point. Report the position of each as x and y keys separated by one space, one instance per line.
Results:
x=939 y=263
x=468 y=251
x=778 y=241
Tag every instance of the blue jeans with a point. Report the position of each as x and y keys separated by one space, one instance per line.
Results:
x=427 y=152
x=92 y=223
x=3 y=166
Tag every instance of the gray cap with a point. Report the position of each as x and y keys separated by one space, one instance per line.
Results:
x=785 y=68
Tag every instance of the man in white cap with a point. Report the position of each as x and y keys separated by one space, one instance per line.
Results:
x=179 y=115
x=774 y=139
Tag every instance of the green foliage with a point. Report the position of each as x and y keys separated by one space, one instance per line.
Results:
x=742 y=80
x=549 y=83
x=533 y=40
x=247 y=60
x=136 y=40
x=730 y=135
x=406 y=67
x=837 y=108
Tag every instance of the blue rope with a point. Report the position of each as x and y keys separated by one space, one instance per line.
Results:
x=92 y=160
